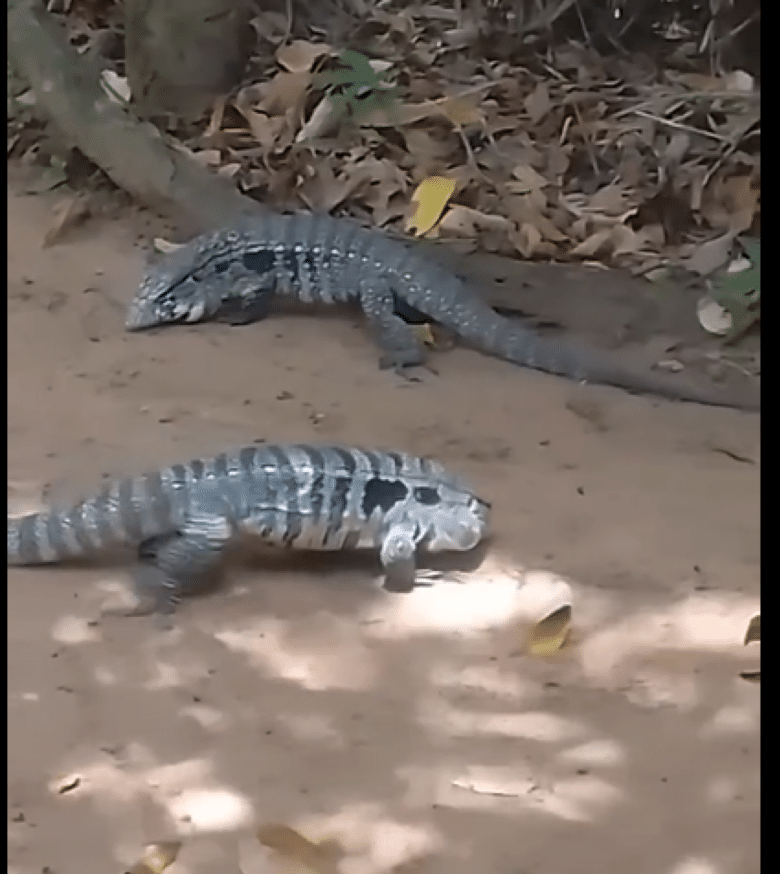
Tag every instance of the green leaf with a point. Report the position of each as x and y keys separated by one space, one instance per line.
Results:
x=740 y=293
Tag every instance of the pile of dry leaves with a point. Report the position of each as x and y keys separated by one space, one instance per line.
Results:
x=566 y=156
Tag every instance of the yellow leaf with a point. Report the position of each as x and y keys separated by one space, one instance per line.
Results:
x=551 y=633
x=431 y=197
x=319 y=858
x=425 y=335
x=157 y=858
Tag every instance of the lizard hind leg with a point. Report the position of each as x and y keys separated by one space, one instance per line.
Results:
x=395 y=337
x=179 y=563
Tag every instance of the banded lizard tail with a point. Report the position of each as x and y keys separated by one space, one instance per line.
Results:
x=232 y=275
x=181 y=518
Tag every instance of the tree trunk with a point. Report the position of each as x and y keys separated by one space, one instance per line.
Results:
x=182 y=55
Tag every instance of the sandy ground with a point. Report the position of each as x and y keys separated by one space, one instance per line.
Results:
x=407 y=729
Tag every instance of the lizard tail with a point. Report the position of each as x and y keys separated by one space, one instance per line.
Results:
x=51 y=536
x=125 y=513
x=480 y=326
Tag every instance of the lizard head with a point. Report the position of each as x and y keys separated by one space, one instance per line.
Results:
x=449 y=516
x=170 y=292
x=190 y=284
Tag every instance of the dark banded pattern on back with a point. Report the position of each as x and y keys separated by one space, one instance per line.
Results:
x=297 y=495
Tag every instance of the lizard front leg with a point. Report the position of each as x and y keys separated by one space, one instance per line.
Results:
x=398 y=557
x=176 y=564
x=246 y=299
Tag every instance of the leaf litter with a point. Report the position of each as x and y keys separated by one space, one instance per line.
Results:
x=559 y=155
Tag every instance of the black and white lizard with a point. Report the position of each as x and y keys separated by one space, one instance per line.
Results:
x=232 y=275
x=181 y=517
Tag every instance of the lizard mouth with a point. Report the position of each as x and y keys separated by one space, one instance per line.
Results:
x=140 y=317
x=143 y=314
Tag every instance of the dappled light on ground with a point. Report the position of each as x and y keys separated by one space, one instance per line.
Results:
x=382 y=729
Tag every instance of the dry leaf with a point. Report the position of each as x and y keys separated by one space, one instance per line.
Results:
x=527 y=239
x=611 y=199
x=208 y=157
x=522 y=209
x=713 y=317
x=462 y=111
x=116 y=87
x=322 y=121
x=284 y=92
x=529 y=179
x=551 y=633
x=321 y=858
x=467 y=222
x=377 y=181
x=711 y=255
x=423 y=147
x=299 y=56
x=264 y=128
x=431 y=197
x=600 y=241
x=425 y=335
x=738 y=82
x=228 y=171
x=157 y=858
x=68 y=214
x=400 y=114
x=165 y=246
x=66 y=784
x=753 y=632
x=538 y=103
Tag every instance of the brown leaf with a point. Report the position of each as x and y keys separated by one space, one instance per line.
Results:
x=68 y=214
x=611 y=199
x=208 y=157
x=264 y=129
x=322 y=121
x=284 y=92
x=522 y=210
x=711 y=255
x=401 y=114
x=732 y=203
x=753 y=630
x=321 y=858
x=527 y=239
x=299 y=56
x=538 y=103
x=593 y=245
x=462 y=111
x=467 y=222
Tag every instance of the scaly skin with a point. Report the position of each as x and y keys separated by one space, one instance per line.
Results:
x=233 y=275
x=181 y=518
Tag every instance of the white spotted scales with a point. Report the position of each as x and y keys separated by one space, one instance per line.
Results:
x=232 y=275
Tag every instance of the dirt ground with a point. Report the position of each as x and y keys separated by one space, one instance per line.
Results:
x=404 y=728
